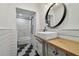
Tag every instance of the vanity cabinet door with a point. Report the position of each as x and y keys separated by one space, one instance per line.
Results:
x=60 y=52
x=51 y=50
x=39 y=46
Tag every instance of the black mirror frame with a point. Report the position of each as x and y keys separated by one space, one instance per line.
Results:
x=62 y=19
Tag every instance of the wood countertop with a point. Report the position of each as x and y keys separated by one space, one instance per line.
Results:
x=67 y=45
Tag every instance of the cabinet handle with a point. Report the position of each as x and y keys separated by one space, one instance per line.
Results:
x=66 y=54
x=56 y=53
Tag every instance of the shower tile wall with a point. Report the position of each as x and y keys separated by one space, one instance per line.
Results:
x=24 y=30
x=72 y=34
x=8 y=42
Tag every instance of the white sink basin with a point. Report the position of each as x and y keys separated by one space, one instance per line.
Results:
x=47 y=35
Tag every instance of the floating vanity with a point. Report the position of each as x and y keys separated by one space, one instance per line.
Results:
x=57 y=46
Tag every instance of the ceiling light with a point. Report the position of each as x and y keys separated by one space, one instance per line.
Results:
x=20 y=14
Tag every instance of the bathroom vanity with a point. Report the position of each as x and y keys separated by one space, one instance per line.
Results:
x=65 y=46
x=59 y=47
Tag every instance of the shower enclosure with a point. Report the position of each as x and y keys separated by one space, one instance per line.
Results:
x=26 y=26
x=24 y=31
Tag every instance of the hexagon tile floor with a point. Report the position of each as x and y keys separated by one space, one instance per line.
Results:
x=26 y=50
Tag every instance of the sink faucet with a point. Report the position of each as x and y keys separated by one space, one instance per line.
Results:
x=45 y=29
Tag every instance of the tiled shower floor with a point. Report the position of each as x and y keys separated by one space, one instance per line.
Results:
x=26 y=50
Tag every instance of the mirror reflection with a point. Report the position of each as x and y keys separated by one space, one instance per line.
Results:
x=55 y=14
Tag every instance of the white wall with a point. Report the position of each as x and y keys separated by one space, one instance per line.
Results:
x=70 y=27
x=7 y=16
x=72 y=18
x=8 y=21
x=8 y=41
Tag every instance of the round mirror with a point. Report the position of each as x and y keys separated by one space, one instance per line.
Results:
x=55 y=15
